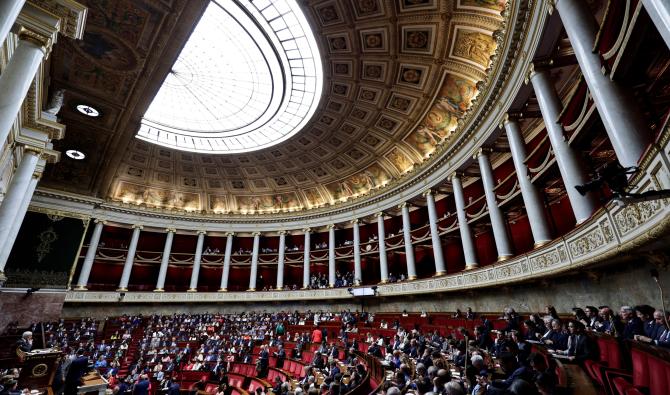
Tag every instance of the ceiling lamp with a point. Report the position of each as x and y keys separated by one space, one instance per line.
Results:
x=74 y=154
x=88 y=110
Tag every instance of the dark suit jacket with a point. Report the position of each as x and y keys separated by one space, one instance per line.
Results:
x=141 y=388
x=581 y=347
x=77 y=370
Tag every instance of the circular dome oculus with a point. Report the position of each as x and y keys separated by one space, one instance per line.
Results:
x=249 y=77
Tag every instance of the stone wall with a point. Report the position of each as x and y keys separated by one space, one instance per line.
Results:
x=614 y=285
x=17 y=305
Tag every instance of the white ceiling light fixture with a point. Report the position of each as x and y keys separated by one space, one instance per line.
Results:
x=74 y=154
x=88 y=110
x=249 y=77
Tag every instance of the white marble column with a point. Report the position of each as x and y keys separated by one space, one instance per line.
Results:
x=619 y=111
x=659 y=12
x=383 y=263
x=9 y=11
x=331 y=255
x=90 y=255
x=165 y=259
x=438 y=256
x=498 y=221
x=16 y=80
x=253 y=274
x=280 y=260
x=569 y=162
x=15 y=199
x=197 y=259
x=532 y=201
x=305 y=267
x=357 y=253
x=130 y=259
x=469 y=250
x=407 y=238
x=226 y=262
x=16 y=226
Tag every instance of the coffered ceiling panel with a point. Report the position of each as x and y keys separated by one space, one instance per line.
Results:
x=398 y=77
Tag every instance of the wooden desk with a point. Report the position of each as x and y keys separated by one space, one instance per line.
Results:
x=93 y=383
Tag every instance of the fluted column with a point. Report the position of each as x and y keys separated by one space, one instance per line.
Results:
x=469 y=251
x=165 y=259
x=331 y=255
x=226 y=262
x=15 y=199
x=197 y=259
x=407 y=238
x=659 y=12
x=18 y=220
x=16 y=78
x=569 y=162
x=498 y=222
x=9 y=11
x=280 y=260
x=254 y=262
x=621 y=114
x=532 y=201
x=90 y=255
x=438 y=256
x=130 y=258
x=383 y=263
x=357 y=253
x=305 y=268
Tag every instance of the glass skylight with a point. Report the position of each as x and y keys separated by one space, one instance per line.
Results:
x=249 y=77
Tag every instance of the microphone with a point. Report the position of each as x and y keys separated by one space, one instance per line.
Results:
x=654 y=275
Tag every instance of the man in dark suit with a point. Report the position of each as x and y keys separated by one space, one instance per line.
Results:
x=25 y=344
x=580 y=347
x=78 y=368
x=281 y=356
x=142 y=386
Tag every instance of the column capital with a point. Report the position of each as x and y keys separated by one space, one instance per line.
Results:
x=306 y=230
x=254 y=234
x=403 y=205
x=482 y=151
x=41 y=39
x=37 y=175
x=355 y=221
x=170 y=230
x=427 y=192
x=282 y=233
x=456 y=175
x=229 y=234
x=138 y=226
x=379 y=214
x=100 y=221
x=331 y=226
x=201 y=232
x=33 y=150
x=530 y=73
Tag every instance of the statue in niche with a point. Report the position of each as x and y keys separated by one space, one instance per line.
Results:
x=55 y=102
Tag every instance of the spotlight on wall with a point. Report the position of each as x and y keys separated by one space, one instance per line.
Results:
x=615 y=177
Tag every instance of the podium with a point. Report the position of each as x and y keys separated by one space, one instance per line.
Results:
x=92 y=383
x=38 y=369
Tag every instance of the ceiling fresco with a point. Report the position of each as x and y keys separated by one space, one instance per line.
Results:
x=398 y=77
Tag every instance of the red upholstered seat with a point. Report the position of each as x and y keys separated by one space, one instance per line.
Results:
x=640 y=368
x=659 y=375
x=235 y=380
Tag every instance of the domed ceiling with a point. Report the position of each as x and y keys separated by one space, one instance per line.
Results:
x=398 y=77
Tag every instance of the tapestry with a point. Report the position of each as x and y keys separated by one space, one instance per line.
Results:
x=44 y=251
